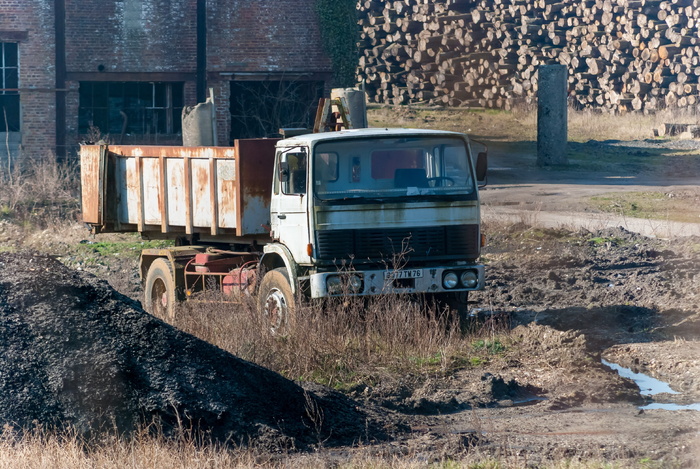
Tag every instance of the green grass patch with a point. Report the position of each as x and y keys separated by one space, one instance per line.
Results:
x=429 y=361
x=650 y=205
x=96 y=252
x=131 y=249
x=492 y=347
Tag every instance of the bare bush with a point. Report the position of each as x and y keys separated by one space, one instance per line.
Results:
x=41 y=191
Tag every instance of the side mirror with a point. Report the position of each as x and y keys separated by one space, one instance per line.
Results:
x=284 y=171
x=481 y=167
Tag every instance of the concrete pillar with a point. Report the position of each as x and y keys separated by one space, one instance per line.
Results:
x=551 y=116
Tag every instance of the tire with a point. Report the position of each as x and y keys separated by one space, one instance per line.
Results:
x=159 y=290
x=276 y=302
x=457 y=304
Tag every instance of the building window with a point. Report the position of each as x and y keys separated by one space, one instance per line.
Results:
x=131 y=108
x=9 y=88
x=261 y=108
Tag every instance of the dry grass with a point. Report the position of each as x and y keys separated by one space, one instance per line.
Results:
x=40 y=192
x=520 y=124
x=339 y=343
x=42 y=449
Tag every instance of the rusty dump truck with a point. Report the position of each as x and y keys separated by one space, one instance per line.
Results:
x=352 y=212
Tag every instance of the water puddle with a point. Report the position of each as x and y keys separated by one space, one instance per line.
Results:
x=523 y=401
x=661 y=405
x=649 y=386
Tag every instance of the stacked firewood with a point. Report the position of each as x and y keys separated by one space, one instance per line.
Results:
x=621 y=55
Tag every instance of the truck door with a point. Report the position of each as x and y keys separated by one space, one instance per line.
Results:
x=288 y=214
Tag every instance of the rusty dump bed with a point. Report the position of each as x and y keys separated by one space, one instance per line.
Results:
x=169 y=190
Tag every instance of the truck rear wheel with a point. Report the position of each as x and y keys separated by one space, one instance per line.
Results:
x=159 y=290
x=276 y=301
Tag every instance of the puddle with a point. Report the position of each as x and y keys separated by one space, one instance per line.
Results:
x=649 y=386
x=660 y=405
x=528 y=400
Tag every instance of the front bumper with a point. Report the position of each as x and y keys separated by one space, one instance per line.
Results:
x=383 y=282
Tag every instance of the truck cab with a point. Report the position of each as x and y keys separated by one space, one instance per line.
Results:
x=377 y=211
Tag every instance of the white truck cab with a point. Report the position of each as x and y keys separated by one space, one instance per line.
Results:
x=378 y=211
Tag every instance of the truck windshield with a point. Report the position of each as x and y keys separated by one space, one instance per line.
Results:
x=392 y=167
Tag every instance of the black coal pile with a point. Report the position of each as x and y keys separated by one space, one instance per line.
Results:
x=75 y=353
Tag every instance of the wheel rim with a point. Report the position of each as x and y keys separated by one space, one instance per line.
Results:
x=275 y=310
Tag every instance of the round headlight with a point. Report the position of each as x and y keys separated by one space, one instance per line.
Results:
x=355 y=282
x=449 y=280
x=469 y=279
x=334 y=285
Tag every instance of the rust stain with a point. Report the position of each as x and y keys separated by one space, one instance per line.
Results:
x=227 y=205
x=254 y=170
x=156 y=151
x=220 y=185
x=90 y=183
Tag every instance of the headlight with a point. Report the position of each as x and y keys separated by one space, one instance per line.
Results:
x=355 y=283
x=469 y=279
x=334 y=285
x=339 y=284
x=449 y=280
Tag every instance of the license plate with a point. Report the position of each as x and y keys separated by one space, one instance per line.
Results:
x=406 y=273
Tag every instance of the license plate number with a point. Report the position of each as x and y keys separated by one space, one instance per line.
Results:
x=407 y=273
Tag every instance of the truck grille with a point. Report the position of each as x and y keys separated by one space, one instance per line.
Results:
x=455 y=241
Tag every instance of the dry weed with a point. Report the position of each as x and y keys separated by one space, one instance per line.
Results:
x=332 y=342
x=40 y=192
x=64 y=450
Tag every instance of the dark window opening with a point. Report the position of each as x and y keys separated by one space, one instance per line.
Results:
x=9 y=87
x=131 y=108
x=261 y=108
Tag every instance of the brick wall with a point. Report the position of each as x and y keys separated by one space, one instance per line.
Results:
x=265 y=36
x=32 y=23
x=118 y=40
x=131 y=35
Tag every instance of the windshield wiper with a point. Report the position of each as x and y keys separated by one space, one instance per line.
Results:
x=356 y=199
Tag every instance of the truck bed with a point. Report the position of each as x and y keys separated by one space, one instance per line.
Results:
x=168 y=191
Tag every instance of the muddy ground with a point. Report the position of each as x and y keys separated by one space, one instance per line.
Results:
x=573 y=292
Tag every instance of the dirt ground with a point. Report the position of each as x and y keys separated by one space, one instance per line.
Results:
x=620 y=297
x=579 y=287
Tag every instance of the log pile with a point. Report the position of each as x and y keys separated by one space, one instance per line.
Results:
x=621 y=55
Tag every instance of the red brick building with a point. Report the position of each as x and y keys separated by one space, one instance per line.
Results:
x=126 y=68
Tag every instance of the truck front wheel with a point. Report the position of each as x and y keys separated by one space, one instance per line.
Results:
x=457 y=304
x=159 y=290
x=277 y=301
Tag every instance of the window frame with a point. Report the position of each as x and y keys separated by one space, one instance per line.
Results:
x=101 y=104
x=9 y=92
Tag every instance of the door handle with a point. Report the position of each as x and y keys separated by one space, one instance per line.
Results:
x=281 y=216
